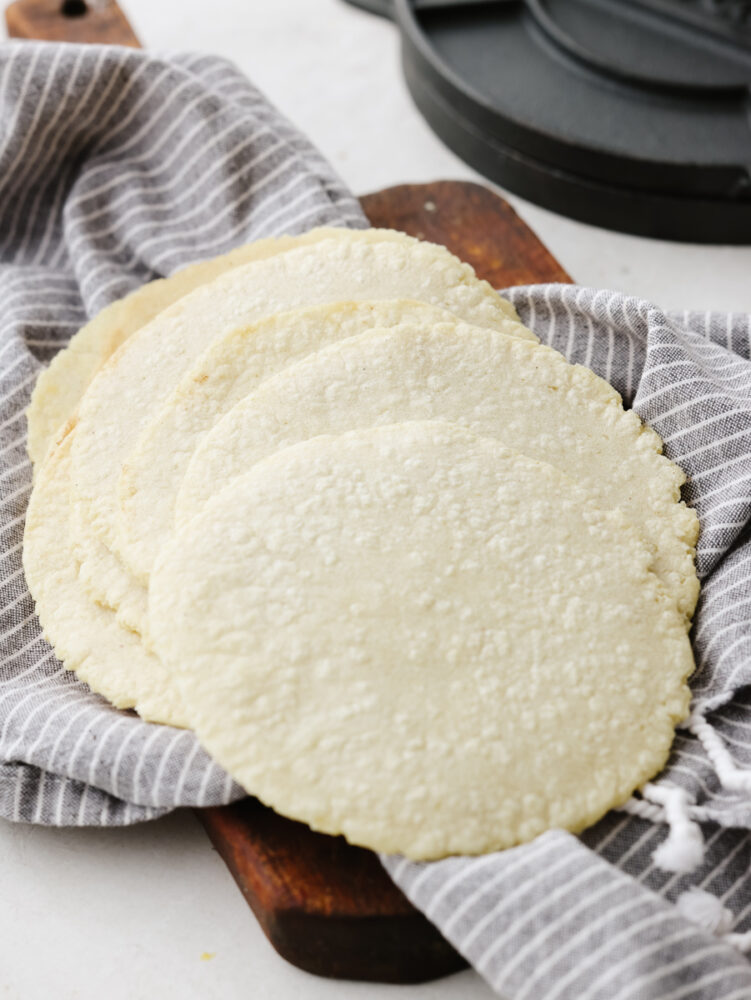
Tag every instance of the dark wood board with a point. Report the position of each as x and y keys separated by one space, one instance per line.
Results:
x=474 y=223
x=326 y=906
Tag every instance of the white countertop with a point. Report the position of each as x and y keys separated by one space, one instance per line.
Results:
x=125 y=914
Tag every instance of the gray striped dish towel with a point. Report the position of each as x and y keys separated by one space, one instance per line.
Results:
x=116 y=167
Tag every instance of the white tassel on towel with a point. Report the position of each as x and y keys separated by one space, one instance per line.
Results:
x=707 y=912
x=683 y=849
x=733 y=778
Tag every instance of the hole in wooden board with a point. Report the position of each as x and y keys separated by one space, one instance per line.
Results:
x=74 y=8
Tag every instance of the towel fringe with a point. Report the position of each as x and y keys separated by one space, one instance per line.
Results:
x=644 y=810
x=734 y=779
x=707 y=912
x=683 y=849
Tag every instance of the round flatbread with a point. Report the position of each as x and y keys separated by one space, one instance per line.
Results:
x=422 y=640
x=233 y=366
x=526 y=395
x=129 y=388
x=104 y=577
x=86 y=638
x=61 y=385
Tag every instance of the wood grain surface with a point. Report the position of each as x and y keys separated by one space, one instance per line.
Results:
x=474 y=223
x=99 y=21
x=326 y=906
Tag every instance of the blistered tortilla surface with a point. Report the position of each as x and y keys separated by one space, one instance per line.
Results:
x=526 y=395
x=423 y=640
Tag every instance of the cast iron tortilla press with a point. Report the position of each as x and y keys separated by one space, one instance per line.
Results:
x=630 y=114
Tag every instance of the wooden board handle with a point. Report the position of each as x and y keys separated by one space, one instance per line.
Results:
x=474 y=223
x=326 y=906
x=99 y=21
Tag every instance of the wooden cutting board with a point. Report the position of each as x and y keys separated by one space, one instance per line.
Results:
x=324 y=905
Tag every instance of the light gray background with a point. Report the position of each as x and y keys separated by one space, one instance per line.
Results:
x=129 y=913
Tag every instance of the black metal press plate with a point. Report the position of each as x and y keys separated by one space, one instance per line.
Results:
x=630 y=114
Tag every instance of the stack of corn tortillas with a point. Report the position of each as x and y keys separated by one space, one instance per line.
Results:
x=408 y=574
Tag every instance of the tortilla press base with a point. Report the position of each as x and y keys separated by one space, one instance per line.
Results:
x=617 y=136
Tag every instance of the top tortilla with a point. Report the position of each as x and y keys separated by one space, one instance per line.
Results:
x=422 y=640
